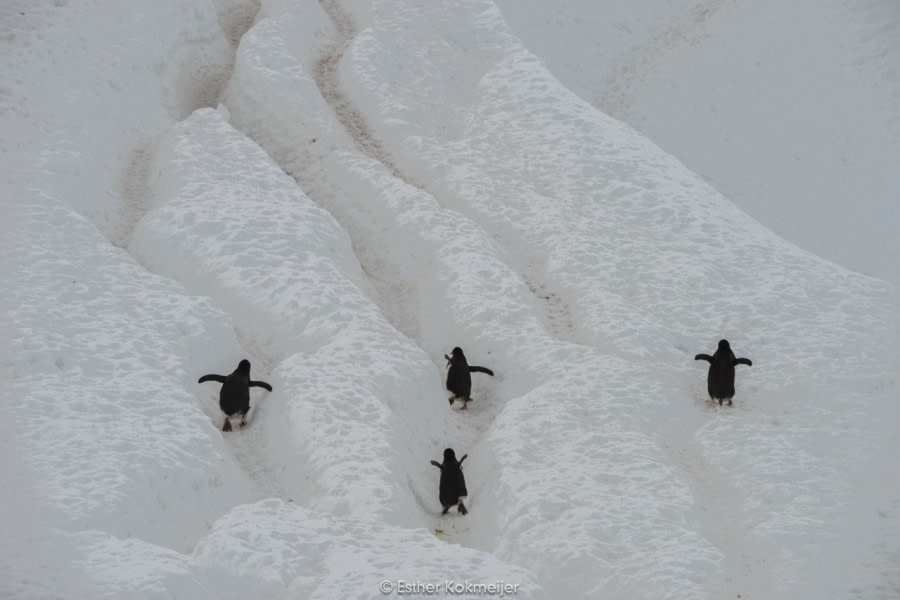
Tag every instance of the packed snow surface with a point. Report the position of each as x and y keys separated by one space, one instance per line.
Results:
x=791 y=109
x=341 y=192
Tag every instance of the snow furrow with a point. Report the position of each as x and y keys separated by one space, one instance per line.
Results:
x=394 y=283
x=720 y=504
x=235 y=19
x=138 y=200
x=328 y=80
x=128 y=439
x=327 y=77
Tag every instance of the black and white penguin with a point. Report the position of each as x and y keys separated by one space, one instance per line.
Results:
x=234 y=397
x=720 y=380
x=459 y=380
x=453 y=484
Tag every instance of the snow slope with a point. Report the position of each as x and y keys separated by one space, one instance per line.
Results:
x=342 y=192
x=789 y=108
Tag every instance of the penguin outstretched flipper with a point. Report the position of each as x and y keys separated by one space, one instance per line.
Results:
x=743 y=361
x=219 y=378
x=705 y=357
x=481 y=370
x=261 y=384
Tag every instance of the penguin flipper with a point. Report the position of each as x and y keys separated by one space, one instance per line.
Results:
x=261 y=384
x=743 y=361
x=705 y=357
x=438 y=465
x=219 y=378
x=463 y=458
x=480 y=370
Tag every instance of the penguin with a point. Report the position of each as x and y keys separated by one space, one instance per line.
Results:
x=459 y=381
x=234 y=397
x=453 y=484
x=720 y=380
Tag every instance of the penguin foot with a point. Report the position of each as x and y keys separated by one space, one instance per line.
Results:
x=462 y=508
x=227 y=425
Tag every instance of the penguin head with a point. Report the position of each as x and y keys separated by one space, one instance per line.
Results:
x=244 y=366
x=457 y=355
x=449 y=456
x=723 y=345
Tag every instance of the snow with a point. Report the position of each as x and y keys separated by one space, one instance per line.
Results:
x=789 y=108
x=341 y=192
